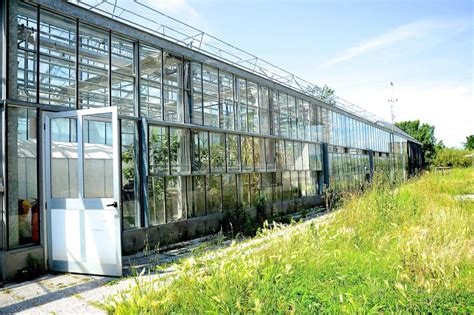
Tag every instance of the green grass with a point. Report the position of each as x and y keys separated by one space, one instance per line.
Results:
x=395 y=249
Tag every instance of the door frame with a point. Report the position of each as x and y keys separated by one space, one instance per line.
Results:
x=46 y=152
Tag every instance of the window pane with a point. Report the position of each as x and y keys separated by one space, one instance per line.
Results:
x=259 y=153
x=241 y=99
x=179 y=151
x=130 y=183
x=98 y=168
x=286 y=186
x=233 y=159
x=26 y=54
x=64 y=180
x=292 y=127
x=210 y=96
x=197 y=115
x=283 y=107
x=270 y=154
x=200 y=152
x=267 y=186
x=289 y=155
x=175 y=210
x=214 y=194
x=247 y=153
x=23 y=207
x=298 y=151
x=93 y=68
x=158 y=149
x=123 y=76
x=217 y=147
x=198 y=196
x=244 y=190
x=150 y=82
x=252 y=102
x=255 y=187
x=280 y=154
x=172 y=71
x=57 y=60
x=229 y=192
x=227 y=98
x=156 y=200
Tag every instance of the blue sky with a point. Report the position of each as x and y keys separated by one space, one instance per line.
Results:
x=358 y=47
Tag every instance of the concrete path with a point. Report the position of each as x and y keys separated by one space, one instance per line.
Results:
x=73 y=293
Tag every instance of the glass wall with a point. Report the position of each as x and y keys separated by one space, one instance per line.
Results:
x=211 y=138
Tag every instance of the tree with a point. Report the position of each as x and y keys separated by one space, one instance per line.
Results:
x=325 y=94
x=469 y=145
x=424 y=133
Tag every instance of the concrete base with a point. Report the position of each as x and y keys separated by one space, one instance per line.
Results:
x=22 y=263
x=153 y=237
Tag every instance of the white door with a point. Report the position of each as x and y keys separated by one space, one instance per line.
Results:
x=81 y=187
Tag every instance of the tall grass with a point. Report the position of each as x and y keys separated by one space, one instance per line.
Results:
x=394 y=249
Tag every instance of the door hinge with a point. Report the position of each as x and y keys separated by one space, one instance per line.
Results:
x=44 y=126
x=46 y=205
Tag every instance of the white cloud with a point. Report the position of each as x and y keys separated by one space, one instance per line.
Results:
x=450 y=108
x=404 y=32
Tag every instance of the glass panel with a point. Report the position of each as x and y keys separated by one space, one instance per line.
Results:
x=255 y=187
x=267 y=186
x=173 y=83
x=275 y=109
x=123 y=75
x=210 y=96
x=98 y=157
x=200 y=152
x=280 y=154
x=241 y=99
x=244 y=190
x=283 y=107
x=229 y=192
x=93 y=67
x=156 y=200
x=270 y=154
x=264 y=103
x=227 y=98
x=233 y=159
x=130 y=183
x=158 y=149
x=292 y=126
x=179 y=151
x=247 y=153
x=298 y=151
x=214 y=204
x=197 y=115
x=286 y=186
x=26 y=54
x=198 y=194
x=217 y=147
x=150 y=82
x=23 y=207
x=57 y=60
x=252 y=102
x=175 y=210
x=302 y=183
x=259 y=153
x=289 y=155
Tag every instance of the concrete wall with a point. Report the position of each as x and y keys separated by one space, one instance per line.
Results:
x=21 y=263
x=161 y=235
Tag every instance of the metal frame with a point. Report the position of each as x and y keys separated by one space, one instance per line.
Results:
x=115 y=269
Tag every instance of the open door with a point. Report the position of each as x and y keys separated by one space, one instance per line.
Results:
x=82 y=191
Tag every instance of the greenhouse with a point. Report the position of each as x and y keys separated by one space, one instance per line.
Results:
x=116 y=135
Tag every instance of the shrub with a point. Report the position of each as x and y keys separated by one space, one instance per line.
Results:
x=453 y=158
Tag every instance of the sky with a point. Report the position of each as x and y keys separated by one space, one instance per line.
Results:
x=426 y=48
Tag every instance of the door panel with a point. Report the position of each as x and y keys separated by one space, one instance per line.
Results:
x=81 y=187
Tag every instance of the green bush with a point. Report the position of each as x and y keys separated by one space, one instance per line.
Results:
x=453 y=157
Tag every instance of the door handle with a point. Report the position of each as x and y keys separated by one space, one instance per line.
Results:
x=114 y=204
